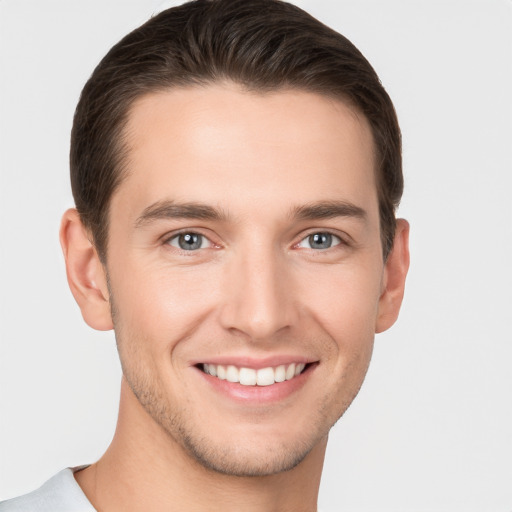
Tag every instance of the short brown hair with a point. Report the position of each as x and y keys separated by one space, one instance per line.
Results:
x=264 y=45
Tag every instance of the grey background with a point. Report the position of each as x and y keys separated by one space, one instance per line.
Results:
x=431 y=428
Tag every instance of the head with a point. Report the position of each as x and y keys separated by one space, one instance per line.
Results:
x=264 y=46
x=236 y=169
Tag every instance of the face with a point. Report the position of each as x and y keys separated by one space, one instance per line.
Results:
x=245 y=270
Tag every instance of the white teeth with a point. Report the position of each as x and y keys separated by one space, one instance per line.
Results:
x=298 y=368
x=232 y=374
x=221 y=372
x=265 y=376
x=290 y=371
x=250 y=377
x=280 y=373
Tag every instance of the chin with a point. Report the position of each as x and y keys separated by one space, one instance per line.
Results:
x=244 y=459
x=243 y=450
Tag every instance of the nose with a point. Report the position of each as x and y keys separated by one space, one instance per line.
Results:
x=259 y=299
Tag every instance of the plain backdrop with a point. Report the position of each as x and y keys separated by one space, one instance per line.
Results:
x=431 y=428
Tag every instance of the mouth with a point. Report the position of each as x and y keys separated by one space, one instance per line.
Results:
x=255 y=377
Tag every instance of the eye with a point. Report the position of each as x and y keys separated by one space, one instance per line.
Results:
x=189 y=241
x=320 y=241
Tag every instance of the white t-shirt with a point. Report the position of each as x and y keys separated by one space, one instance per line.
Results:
x=60 y=494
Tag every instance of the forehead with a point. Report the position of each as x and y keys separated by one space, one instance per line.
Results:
x=219 y=144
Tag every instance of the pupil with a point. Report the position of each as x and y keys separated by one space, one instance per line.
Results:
x=190 y=241
x=320 y=240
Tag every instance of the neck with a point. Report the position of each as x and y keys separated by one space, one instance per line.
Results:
x=145 y=469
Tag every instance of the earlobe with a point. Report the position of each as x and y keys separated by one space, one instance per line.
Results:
x=395 y=272
x=86 y=275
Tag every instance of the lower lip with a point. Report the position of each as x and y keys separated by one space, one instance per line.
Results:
x=258 y=394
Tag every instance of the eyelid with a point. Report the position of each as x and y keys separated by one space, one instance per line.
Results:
x=174 y=241
x=336 y=240
x=168 y=237
x=344 y=239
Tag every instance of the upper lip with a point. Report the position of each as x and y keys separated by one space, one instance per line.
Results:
x=255 y=362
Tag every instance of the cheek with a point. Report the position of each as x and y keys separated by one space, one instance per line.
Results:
x=161 y=303
x=345 y=308
x=344 y=301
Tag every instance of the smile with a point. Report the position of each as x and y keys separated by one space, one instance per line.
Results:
x=251 y=377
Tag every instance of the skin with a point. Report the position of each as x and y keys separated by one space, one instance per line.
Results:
x=257 y=290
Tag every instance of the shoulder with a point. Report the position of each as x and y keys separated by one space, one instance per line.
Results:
x=59 y=494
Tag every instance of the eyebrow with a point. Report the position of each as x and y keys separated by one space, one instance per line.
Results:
x=328 y=210
x=169 y=209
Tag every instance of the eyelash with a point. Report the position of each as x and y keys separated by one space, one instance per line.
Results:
x=336 y=239
x=176 y=236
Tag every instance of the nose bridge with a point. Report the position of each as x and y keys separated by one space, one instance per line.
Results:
x=258 y=299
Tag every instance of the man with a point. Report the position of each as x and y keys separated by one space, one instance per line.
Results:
x=236 y=169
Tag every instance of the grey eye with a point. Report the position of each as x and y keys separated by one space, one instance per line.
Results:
x=320 y=241
x=188 y=241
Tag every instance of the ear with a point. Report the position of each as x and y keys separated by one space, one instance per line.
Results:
x=86 y=275
x=393 y=280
